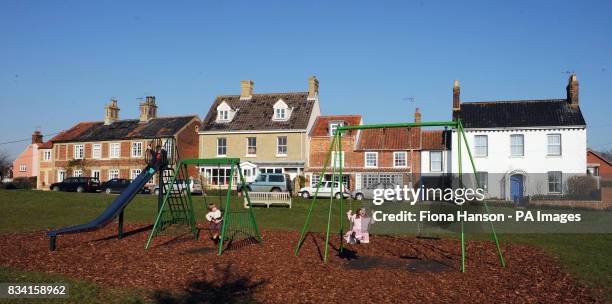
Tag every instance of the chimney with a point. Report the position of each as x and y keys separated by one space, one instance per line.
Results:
x=148 y=109
x=572 y=91
x=417 y=115
x=111 y=112
x=313 y=87
x=456 y=96
x=37 y=138
x=246 y=89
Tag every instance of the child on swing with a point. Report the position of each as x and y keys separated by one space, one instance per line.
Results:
x=360 y=223
x=215 y=218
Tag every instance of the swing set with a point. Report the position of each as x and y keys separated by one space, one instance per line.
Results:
x=176 y=205
x=336 y=148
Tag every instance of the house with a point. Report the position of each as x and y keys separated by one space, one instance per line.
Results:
x=523 y=147
x=435 y=158
x=598 y=165
x=115 y=148
x=321 y=137
x=26 y=164
x=268 y=132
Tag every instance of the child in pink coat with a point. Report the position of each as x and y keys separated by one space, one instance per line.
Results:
x=360 y=222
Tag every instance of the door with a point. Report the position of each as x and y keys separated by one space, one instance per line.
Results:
x=516 y=187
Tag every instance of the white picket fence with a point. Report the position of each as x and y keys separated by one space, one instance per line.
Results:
x=268 y=198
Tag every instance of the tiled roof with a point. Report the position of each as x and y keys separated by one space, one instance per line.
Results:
x=600 y=156
x=321 y=125
x=436 y=140
x=256 y=113
x=520 y=113
x=123 y=129
x=389 y=139
x=46 y=145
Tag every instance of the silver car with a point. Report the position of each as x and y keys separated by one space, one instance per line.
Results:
x=368 y=193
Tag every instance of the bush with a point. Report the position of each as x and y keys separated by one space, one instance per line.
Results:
x=582 y=186
x=7 y=186
x=25 y=182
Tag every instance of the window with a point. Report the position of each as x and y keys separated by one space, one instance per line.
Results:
x=23 y=168
x=554 y=181
x=371 y=180
x=337 y=159
x=96 y=151
x=554 y=144
x=137 y=149
x=314 y=180
x=400 y=159
x=223 y=115
x=517 y=145
x=61 y=175
x=483 y=179
x=77 y=173
x=435 y=161
x=79 y=152
x=371 y=159
x=251 y=146
x=113 y=173
x=279 y=113
x=169 y=147
x=271 y=170
x=221 y=146
x=481 y=143
x=281 y=146
x=134 y=174
x=276 y=178
x=115 y=150
x=219 y=176
x=95 y=174
x=46 y=155
x=333 y=126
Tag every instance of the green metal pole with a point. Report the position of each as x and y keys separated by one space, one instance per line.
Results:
x=331 y=198
x=314 y=199
x=245 y=192
x=499 y=250
x=341 y=190
x=460 y=171
x=227 y=208
x=161 y=210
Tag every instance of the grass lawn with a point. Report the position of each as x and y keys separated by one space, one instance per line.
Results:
x=584 y=255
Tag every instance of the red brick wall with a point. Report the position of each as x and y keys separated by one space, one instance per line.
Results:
x=605 y=170
x=188 y=144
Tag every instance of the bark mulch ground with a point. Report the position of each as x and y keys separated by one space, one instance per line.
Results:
x=388 y=270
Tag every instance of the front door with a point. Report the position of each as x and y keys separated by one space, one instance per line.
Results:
x=516 y=187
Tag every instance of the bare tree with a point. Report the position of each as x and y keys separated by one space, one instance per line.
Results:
x=607 y=154
x=5 y=164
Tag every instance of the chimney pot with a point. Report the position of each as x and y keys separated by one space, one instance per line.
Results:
x=313 y=87
x=148 y=109
x=572 y=91
x=246 y=89
x=111 y=112
x=37 y=137
x=456 y=96
x=417 y=115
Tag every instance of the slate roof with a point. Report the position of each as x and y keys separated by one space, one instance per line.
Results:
x=389 y=139
x=520 y=113
x=436 y=140
x=321 y=125
x=256 y=113
x=123 y=129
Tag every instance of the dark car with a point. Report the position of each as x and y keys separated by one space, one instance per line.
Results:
x=117 y=185
x=78 y=184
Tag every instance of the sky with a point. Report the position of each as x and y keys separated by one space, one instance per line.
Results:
x=61 y=61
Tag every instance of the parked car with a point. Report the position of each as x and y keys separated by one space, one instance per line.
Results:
x=195 y=186
x=117 y=185
x=368 y=193
x=325 y=190
x=270 y=182
x=78 y=184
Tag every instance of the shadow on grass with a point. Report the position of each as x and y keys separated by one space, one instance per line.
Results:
x=226 y=287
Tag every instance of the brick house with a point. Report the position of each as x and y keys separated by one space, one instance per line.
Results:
x=268 y=132
x=598 y=165
x=26 y=164
x=114 y=148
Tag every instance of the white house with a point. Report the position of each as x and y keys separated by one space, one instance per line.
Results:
x=522 y=147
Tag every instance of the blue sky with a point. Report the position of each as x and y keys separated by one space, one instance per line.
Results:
x=61 y=61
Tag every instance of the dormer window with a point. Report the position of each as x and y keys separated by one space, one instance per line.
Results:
x=282 y=112
x=333 y=125
x=225 y=113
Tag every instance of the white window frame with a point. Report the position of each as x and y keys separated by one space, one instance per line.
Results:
x=112 y=148
x=395 y=159
x=483 y=178
x=314 y=179
x=248 y=146
x=223 y=115
x=365 y=160
x=79 y=151
x=560 y=182
x=224 y=146
x=23 y=168
x=335 y=159
x=134 y=173
x=46 y=155
x=278 y=146
x=478 y=146
x=432 y=168
x=333 y=126
x=113 y=173
x=549 y=145
x=514 y=145
x=95 y=173
x=96 y=151
x=77 y=173
x=137 y=149
x=280 y=113
x=61 y=175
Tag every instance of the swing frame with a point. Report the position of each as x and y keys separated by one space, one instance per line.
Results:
x=336 y=148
